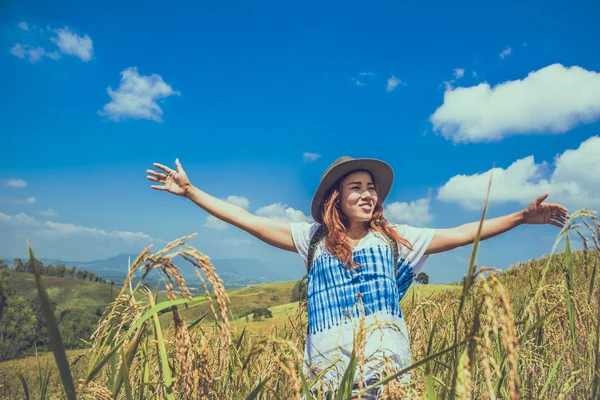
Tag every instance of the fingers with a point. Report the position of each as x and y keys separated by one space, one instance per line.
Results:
x=178 y=165
x=151 y=178
x=557 y=207
x=556 y=224
x=159 y=175
x=559 y=218
x=540 y=199
x=163 y=167
x=157 y=187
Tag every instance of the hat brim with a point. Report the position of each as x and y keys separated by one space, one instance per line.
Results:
x=382 y=173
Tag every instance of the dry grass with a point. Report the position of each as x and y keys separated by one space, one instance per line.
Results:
x=529 y=332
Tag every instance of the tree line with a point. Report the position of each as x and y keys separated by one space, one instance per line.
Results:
x=60 y=271
x=22 y=327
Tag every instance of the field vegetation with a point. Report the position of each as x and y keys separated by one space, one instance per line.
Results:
x=531 y=331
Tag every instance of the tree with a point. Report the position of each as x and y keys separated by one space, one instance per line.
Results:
x=299 y=292
x=260 y=313
x=61 y=270
x=19 y=265
x=422 y=278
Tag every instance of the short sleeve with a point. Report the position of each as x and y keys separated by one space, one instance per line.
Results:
x=419 y=239
x=302 y=232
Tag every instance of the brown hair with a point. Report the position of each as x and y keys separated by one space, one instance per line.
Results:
x=334 y=221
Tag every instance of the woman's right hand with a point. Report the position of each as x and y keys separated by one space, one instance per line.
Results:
x=174 y=181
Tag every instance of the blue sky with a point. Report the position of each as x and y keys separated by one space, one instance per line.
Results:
x=257 y=99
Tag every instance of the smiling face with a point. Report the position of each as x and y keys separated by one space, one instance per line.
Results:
x=358 y=196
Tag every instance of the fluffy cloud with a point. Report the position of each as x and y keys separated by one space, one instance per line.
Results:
x=47 y=213
x=415 y=213
x=575 y=181
x=29 y=200
x=17 y=221
x=34 y=53
x=505 y=52
x=16 y=183
x=280 y=212
x=459 y=73
x=215 y=223
x=64 y=240
x=392 y=83
x=137 y=96
x=553 y=99
x=66 y=41
x=311 y=156
x=72 y=44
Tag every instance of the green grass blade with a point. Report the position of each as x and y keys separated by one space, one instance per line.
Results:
x=592 y=280
x=24 y=384
x=569 y=284
x=257 y=389
x=152 y=312
x=164 y=362
x=345 y=388
x=550 y=377
x=52 y=326
x=127 y=359
x=413 y=366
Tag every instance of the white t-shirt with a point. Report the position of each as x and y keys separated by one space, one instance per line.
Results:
x=333 y=293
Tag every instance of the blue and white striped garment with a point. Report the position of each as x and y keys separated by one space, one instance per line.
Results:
x=338 y=297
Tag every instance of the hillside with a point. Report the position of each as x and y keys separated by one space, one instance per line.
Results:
x=235 y=272
x=67 y=293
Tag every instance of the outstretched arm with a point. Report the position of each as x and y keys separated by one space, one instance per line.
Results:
x=272 y=232
x=536 y=212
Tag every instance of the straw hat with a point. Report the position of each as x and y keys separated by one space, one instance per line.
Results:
x=382 y=173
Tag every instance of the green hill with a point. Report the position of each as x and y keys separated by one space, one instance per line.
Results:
x=67 y=293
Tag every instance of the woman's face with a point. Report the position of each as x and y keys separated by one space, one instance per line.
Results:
x=358 y=196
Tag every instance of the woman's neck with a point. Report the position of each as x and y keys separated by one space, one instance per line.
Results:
x=357 y=230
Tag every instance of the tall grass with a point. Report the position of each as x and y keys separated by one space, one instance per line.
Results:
x=531 y=331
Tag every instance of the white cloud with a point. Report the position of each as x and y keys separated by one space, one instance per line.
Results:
x=505 y=52
x=18 y=50
x=280 y=212
x=311 y=156
x=474 y=74
x=215 y=223
x=29 y=200
x=16 y=183
x=73 y=44
x=415 y=213
x=67 y=241
x=23 y=25
x=136 y=97
x=553 y=100
x=366 y=74
x=459 y=73
x=574 y=182
x=47 y=212
x=392 y=83
x=70 y=230
x=239 y=201
x=18 y=220
x=34 y=53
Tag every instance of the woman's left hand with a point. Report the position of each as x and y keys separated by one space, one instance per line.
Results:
x=538 y=212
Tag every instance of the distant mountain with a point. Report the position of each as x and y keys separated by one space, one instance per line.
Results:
x=235 y=272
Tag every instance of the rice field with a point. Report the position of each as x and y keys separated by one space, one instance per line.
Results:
x=530 y=332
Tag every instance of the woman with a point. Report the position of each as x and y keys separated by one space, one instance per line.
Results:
x=363 y=265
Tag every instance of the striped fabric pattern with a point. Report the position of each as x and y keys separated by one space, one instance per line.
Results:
x=334 y=291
